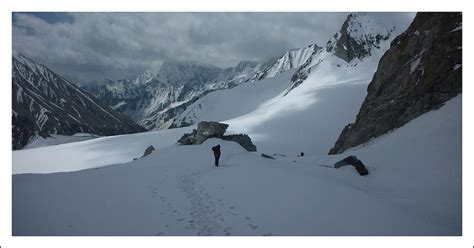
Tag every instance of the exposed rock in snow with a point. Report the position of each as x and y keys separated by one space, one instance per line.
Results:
x=354 y=161
x=267 y=156
x=205 y=130
x=148 y=151
x=243 y=139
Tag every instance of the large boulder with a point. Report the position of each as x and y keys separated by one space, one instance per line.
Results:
x=148 y=151
x=212 y=129
x=243 y=139
x=204 y=131
x=354 y=161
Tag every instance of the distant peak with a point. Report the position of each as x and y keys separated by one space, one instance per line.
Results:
x=359 y=34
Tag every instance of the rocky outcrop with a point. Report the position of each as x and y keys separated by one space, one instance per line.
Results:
x=212 y=129
x=243 y=139
x=419 y=73
x=148 y=151
x=354 y=161
x=205 y=130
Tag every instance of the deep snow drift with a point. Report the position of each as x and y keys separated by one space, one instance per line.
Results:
x=414 y=188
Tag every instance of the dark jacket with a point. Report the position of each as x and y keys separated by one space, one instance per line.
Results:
x=217 y=151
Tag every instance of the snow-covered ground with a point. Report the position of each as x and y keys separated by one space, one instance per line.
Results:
x=55 y=139
x=92 y=153
x=414 y=186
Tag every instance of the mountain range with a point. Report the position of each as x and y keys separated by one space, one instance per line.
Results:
x=45 y=103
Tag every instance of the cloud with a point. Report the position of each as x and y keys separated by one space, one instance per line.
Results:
x=94 y=46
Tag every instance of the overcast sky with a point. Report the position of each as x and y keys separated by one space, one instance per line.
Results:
x=94 y=46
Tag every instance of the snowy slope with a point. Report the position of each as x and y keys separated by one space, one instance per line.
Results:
x=54 y=139
x=414 y=188
x=91 y=153
x=323 y=91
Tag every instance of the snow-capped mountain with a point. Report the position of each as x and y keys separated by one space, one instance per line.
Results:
x=361 y=36
x=151 y=97
x=46 y=103
x=244 y=72
x=293 y=58
x=351 y=55
x=154 y=98
x=167 y=98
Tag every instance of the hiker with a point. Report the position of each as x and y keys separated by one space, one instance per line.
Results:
x=217 y=154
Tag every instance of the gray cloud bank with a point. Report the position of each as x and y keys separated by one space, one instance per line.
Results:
x=95 y=46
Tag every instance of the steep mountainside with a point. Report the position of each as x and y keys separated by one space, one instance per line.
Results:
x=420 y=72
x=45 y=103
x=315 y=66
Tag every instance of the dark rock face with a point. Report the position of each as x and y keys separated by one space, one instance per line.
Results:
x=419 y=73
x=212 y=129
x=354 y=161
x=45 y=103
x=243 y=139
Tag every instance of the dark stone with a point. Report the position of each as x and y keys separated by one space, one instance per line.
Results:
x=148 y=151
x=243 y=139
x=267 y=156
x=354 y=161
x=188 y=138
x=416 y=75
x=213 y=129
